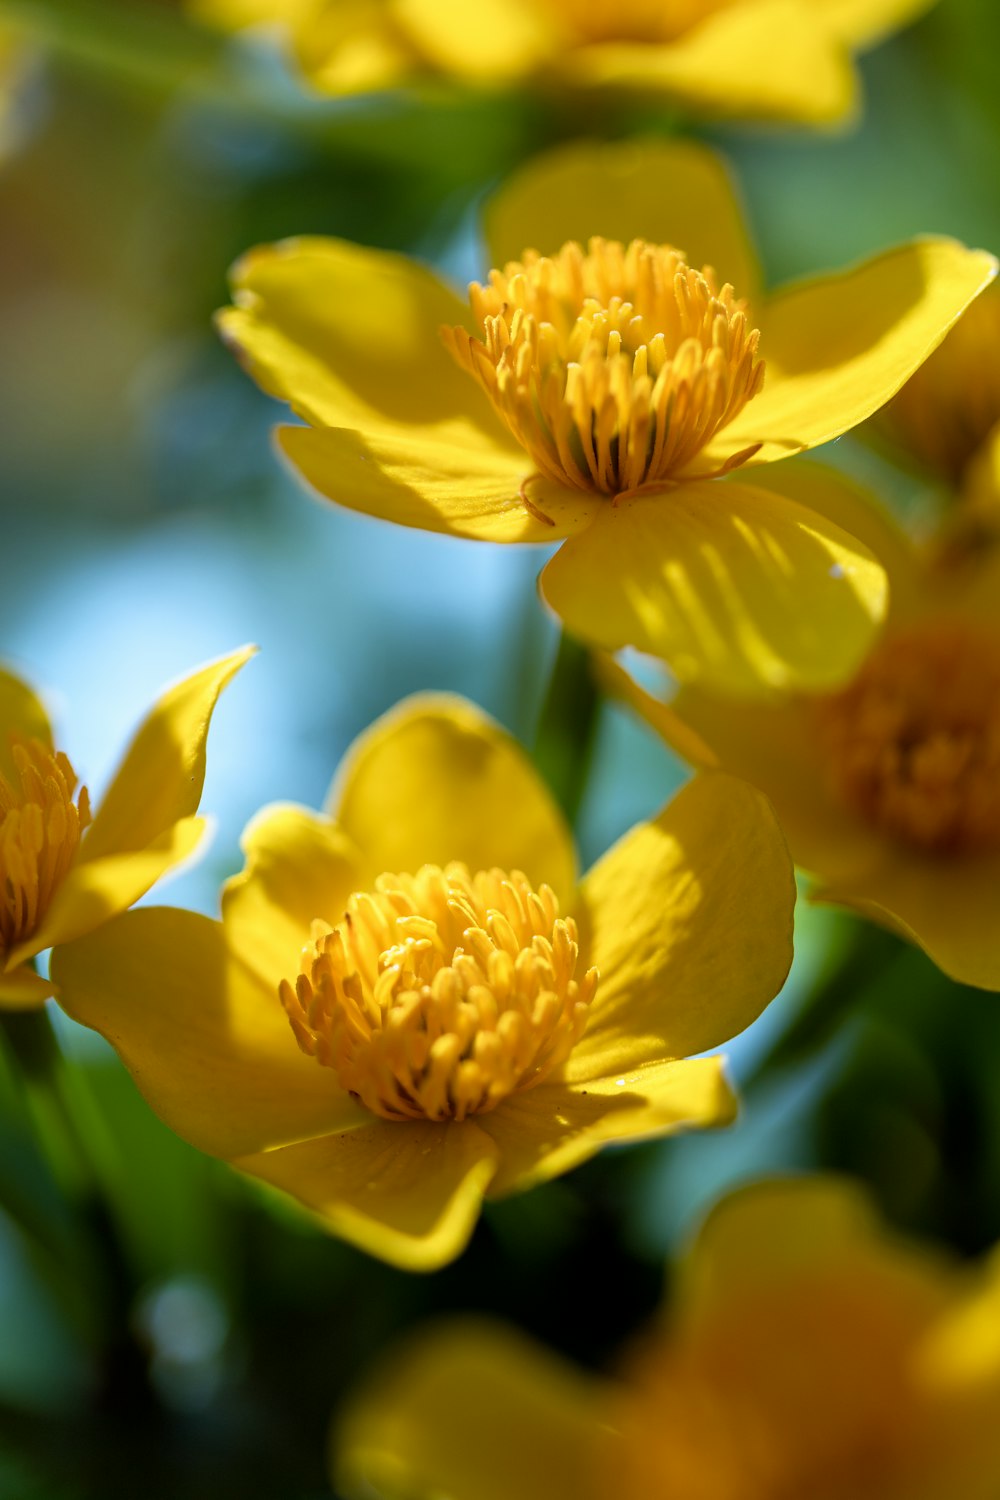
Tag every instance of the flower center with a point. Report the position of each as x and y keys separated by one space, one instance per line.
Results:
x=40 y=828
x=440 y=993
x=652 y=21
x=613 y=367
x=914 y=741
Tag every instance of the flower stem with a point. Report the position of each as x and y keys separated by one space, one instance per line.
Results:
x=564 y=738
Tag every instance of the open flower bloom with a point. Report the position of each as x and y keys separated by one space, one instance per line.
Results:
x=409 y=1002
x=771 y=59
x=597 y=395
x=804 y=1353
x=888 y=789
x=63 y=871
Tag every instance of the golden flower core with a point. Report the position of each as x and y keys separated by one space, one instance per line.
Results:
x=914 y=740
x=612 y=366
x=652 y=21
x=40 y=828
x=949 y=407
x=438 y=994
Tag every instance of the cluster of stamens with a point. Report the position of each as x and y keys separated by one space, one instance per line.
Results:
x=40 y=828
x=613 y=367
x=914 y=742
x=439 y=994
x=651 y=21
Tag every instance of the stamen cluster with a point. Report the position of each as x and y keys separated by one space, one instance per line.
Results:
x=439 y=994
x=40 y=828
x=613 y=367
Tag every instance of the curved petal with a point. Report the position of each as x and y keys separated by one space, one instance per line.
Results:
x=407 y=1192
x=161 y=778
x=948 y=907
x=488 y=42
x=474 y=1411
x=210 y=1048
x=689 y=921
x=299 y=866
x=458 y=482
x=669 y=192
x=863 y=23
x=347 y=46
x=96 y=890
x=22 y=989
x=547 y=1131
x=743 y=590
x=838 y=346
x=436 y=780
x=770 y=59
x=21 y=712
x=348 y=335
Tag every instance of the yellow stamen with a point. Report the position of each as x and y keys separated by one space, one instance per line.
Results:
x=652 y=21
x=440 y=993
x=914 y=741
x=40 y=828
x=613 y=367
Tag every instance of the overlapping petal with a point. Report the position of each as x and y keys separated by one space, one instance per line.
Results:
x=21 y=713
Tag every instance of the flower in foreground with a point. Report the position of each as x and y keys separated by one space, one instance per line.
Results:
x=772 y=59
x=805 y=1353
x=602 y=394
x=64 y=872
x=410 y=1004
x=888 y=789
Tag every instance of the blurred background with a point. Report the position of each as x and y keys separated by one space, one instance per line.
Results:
x=192 y=1337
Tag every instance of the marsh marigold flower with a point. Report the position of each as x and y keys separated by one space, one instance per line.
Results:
x=65 y=870
x=410 y=1003
x=889 y=788
x=615 y=394
x=772 y=59
x=805 y=1352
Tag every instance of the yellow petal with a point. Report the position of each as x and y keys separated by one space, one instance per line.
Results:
x=689 y=921
x=436 y=780
x=669 y=192
x=458 y=482
x=161 y=777
x=862 y=23
x=838 y=346
x=490 y=41
x=22 y=989
x=736 y=587
x=96 y=890
x=209 y=1047
x=348 y=335
x=408 y=1192
x=948 y=907
x=21 y=712
x=549 y=1130
x=770 y=59
x=348 y=46
x=299 y=866
x=475 y=1412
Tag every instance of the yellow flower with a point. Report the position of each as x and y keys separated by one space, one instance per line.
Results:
x=889 y=789
x=775 y=59
x=595 y=397
x=64 y=873
x=805 y=1353
x=429 y=946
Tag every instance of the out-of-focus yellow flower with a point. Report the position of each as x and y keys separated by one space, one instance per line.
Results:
x=62 y=871
x=804 y=1353
x=465 y=1019
x=598 y=397
x=889 y=789
x=771 y=59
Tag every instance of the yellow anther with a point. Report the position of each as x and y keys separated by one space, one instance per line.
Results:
x=468 y=995
x=40 y=828
x=913 y=743
x=612 y=367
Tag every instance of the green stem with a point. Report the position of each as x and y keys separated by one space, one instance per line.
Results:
x=567 y=724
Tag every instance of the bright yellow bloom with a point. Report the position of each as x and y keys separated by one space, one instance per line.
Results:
x=805 y=1353
x=772 y=59
x=889 y=789
x=410 y=1003
x=62 y=871
x=597 y=396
